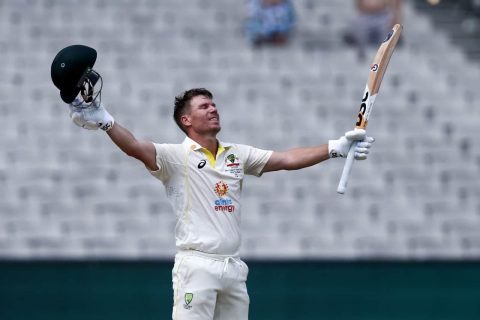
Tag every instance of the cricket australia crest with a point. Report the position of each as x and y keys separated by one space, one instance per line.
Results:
x=188 y=300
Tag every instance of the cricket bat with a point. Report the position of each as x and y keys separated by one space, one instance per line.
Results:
x=377 y=71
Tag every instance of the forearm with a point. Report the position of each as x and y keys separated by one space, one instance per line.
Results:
x=141 y=150
x=297 y=158
x=123 y=138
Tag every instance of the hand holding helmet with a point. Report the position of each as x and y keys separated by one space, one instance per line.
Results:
x=90 y=116
x=80 y=86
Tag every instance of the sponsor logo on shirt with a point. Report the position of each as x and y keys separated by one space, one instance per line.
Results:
x=202 y=164
x=221 y=188
x=223 y=204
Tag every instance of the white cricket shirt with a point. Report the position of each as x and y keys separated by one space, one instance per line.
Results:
x=206 y=192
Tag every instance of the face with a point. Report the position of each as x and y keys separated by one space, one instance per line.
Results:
x=202 y=116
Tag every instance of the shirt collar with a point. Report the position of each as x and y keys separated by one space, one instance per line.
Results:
x=192 y=145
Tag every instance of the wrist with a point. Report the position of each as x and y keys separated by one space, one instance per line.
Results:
x=333 y=149
x=107 y=123
x=106 y=120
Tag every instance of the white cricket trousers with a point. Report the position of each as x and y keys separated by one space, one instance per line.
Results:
x=209 y=287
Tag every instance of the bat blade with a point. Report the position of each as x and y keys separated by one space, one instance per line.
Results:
x=377 y=71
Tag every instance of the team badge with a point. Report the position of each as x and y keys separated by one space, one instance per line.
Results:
x=233 y=165
x=188 y=300
x=232 y=160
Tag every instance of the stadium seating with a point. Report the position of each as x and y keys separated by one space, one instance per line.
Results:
x=70 y=193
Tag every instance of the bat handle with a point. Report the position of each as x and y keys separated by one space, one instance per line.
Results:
x=342 y=185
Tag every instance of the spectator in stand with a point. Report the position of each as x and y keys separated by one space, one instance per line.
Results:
x=270 y=21
x=372 y=23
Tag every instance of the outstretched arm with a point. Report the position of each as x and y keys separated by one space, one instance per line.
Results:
x=299 y=158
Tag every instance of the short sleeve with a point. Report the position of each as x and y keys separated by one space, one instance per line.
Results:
x=255 y=160
x=162 y=154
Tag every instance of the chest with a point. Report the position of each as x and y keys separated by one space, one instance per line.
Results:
x=227 y=165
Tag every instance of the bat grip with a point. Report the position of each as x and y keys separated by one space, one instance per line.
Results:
x=342 y=185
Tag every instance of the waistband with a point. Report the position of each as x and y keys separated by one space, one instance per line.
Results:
x=219 y=257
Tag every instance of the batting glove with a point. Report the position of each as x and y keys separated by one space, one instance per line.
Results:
x=91 y=117
x=340 y=147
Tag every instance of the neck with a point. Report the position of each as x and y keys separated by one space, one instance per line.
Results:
x=208 y=142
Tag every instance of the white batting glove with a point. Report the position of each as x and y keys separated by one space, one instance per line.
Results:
x=91 y=117
x=340 y=147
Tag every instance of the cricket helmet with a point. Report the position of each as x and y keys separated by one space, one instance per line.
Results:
x=72 y=72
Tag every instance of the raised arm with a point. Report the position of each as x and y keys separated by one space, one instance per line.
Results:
x=139 y=149
x=299 y=158
x=95 y=117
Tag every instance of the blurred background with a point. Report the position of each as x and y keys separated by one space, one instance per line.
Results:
x=87 y=233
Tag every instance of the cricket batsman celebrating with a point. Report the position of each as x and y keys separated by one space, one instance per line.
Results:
x=203 y=180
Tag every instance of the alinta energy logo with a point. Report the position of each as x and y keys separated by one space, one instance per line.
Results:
x=223 y=204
